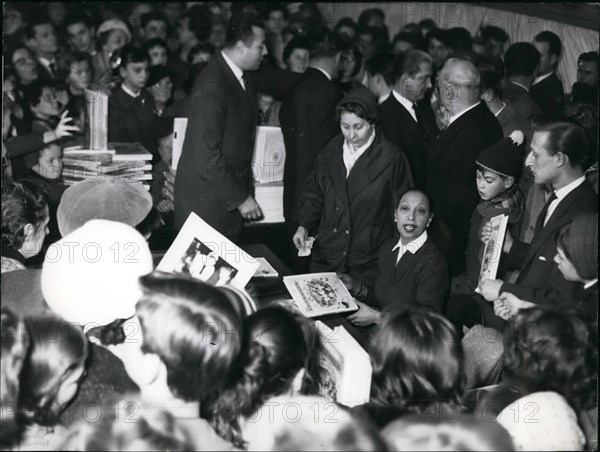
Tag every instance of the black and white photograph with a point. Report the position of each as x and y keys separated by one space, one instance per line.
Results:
x=308 y=226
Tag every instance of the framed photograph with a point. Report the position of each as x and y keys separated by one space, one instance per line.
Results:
x=201 y=252
x=493 y=249
x=317 y=294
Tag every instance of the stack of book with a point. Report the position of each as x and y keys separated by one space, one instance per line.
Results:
x=120 y=162
x=267 y=168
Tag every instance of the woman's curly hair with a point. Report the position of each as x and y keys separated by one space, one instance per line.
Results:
x=22 y=204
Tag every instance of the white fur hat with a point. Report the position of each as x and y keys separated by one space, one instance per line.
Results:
x=91 y=276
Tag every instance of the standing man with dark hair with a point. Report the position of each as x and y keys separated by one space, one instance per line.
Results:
x=521 y=62
x=42 y=40
x=307 y=118
x=214 y=177
x=588 y=67
x=81 y=33
x=547 y=90
x=401 y=116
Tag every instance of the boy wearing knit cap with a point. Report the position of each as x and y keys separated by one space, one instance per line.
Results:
x=498 y=169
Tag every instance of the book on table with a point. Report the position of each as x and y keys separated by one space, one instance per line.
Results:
x=345 y=367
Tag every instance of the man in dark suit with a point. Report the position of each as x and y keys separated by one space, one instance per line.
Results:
x=558 y=150
x=307 y=118
x=41 y=38
x=522 y=64
x=401 y=116
x=214 y=177
x=470 y=128
x=547 y=90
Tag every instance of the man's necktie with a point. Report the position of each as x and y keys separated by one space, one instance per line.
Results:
x=52 y=67
x=542 y=217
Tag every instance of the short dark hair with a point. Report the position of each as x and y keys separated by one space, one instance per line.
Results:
x=441 y=35
x=551 y=350
x=150 y=16
x=36 y=90
x=130 y=54
x=298 y=42
x=566 y=136
x=366 y=15
x=271 y=7
x=398 y=197
x=588 y=56
x=154 y=42
x=460 y=39
x=415 y=39
x=521 y=58
x=241 y=28
x=491 y=78
x=324 y=44
x=492 y=32
x=372 y=117
x=382 y=64
x=36 y=20
x=409 y=63
x=78 y=18
x=70 y=58
x=553 y=41
x=22 y=204
x=199 y=21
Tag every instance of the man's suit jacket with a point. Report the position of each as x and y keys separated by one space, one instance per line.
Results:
x=451 y=179
x=538 y=272
x=214 y=175
x=399 y=127
x=549 y=95
x=521 y=100
x=307 y=118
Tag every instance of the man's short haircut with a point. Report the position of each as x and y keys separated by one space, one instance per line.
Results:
x=151 y=16
x=588 y=56
x=409 y=63
x=78 y=18
x=155 y=42
x=460 y=39
x=553 y=41
x=439 y=35
x=565 y=135
x=414 y=39
x=324 y=44
x=367 y=14
x=131 y=54
x=491 y=75
x=382 y=64
x=34 y=21
x=492 y=32
x=521 y=58
x=241 y=29
x=199 y=21
x=272 y=7
x=298 y=42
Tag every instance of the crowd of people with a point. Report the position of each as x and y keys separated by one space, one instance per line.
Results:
x=401 y=152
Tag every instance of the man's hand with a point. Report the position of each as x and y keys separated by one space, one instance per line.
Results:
x=502 y=310
x=63 y=129
x=512 y=303
x=486 y=233
x=300 y=237
x=365 y=315
x=250 y=209
x=490 y=289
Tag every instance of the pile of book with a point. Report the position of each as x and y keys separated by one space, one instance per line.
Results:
x=267 y=168
x=120 y=162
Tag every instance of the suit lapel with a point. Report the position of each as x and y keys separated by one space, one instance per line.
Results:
x=367 y=168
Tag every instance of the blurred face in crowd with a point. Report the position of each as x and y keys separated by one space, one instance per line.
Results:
x=346 y=32
x=184 y=35
x=217 y=36
x=490 y=184
x=401 y=46
x=276 y=22
x=413 y=216
x=355 y=129
x=587 y=72
x=366 y=45
x=158 y=56
x=48 y=106
x=156 y=29
x=116 y=40
x=543 y=165
x=80 y=75
x=438 y=52
x=161 y=91
x=415 y=86
x=135 y=17
x=566 y=267
x=81 y=37
x=298 y=60
x=50 y=162
x=347 y=64
x=44 y=40
x=494 y=48
x=172 y=12
x=251 y=56
x=12 y=20
x=25 y=65
x=546 y=61
x=135 y=75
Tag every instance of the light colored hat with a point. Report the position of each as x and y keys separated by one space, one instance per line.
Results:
x=125 y=201
x=91 y=276
x=114 y=24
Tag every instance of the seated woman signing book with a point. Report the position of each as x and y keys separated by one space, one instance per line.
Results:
x=412 y=269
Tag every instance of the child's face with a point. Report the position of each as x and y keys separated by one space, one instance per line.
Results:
x=80 y=75
x=413 y=216
x=115 y=41
x=566 y=267
x=25 y=65
x=50 y=162
x=135 y=75
x=161 y=91
x=489 y=184
x=48 y=105
x=158 y=56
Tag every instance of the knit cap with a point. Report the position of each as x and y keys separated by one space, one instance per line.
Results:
x=90 y=277
x=365 y=98
x=504 y=157
x=582 y=244
x=125 y=201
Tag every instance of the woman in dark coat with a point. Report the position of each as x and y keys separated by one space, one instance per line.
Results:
x=349 y=198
